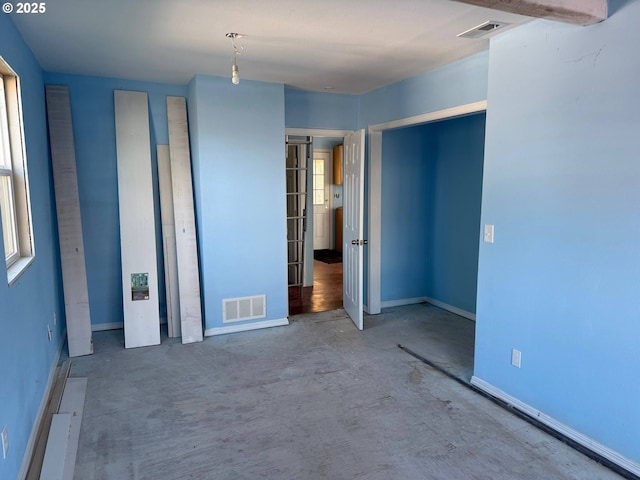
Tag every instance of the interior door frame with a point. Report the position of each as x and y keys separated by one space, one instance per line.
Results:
x=315 y=132
x=373 y=305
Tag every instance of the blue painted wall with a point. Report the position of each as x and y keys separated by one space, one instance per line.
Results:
x=406 y=156
x=431 y=190
x=561 y=282
x=560 y=184
x=28 y=306
x=304 y=109
x=237 y=137
x=92 y=109
x=454 y=211
x=458 y=83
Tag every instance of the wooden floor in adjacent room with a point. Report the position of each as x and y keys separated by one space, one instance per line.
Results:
x=326 y=293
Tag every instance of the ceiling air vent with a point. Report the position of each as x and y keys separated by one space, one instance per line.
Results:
x=483 y=29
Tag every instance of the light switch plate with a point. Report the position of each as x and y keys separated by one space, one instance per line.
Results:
x=516 y=358
x=488 y=233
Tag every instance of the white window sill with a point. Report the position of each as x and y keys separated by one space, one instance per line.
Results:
x=17 y=268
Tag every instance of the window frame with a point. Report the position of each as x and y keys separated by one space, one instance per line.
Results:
x=15 y=168
x=318 y=178
x=6 y=173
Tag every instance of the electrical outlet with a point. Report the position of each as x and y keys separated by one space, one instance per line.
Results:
x=49 y=332
x=516 y=358
x=5 y=442
x=488 y=233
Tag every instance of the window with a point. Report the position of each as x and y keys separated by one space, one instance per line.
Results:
x=318 y=181
x=14 y=191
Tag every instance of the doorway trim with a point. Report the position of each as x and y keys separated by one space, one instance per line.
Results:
x=375 y=186
x=315 y=132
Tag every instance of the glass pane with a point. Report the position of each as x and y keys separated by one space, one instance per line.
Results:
x=318 y=197
x=8 y=218
x=5 y=155
x=292 y=156
x=318 y=182
x=318 y=167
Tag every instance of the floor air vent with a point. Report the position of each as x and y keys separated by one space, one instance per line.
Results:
x=244 y=308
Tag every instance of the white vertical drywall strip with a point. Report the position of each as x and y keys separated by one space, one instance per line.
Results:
x=185 y=225
x=75 y=391
x=169 y=241
x=137 y=226
x=74 y=274
x=54 y=456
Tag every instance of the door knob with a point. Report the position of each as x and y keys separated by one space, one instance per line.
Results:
x=354 y=242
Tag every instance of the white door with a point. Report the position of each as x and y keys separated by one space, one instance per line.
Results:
x=322 y=166
x=353 y=219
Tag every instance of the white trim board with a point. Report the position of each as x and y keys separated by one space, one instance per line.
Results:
x=184 y=222
x=316 y=132
x=75 y=391
x=137 y=221
x=568 y=432
x=402 y=302
x=57 y=442
x=436 y=303
x=375 y=185
x=72 y=259
x=451 y=308
x=246 y=327
x=33 y=436
x=375 y=215
x=168 y=241
x=100 y=327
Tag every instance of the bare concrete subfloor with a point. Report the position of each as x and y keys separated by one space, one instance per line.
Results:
x=314 y=400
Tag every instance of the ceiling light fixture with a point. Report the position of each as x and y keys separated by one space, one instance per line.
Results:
x=237 y=50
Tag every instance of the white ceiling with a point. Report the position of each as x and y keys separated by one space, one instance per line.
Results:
x=352 y=45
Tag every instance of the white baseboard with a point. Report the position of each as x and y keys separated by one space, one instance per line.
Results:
x=26 y=458
x=451 y=308
x=437 y=303
x=568 y=432
x=99 y=327
x=402 y=302
x=246 y=327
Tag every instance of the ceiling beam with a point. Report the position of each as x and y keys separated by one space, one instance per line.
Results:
x=580 y=12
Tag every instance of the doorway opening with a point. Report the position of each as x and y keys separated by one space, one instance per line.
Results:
x=429 y=210
x=314 y=224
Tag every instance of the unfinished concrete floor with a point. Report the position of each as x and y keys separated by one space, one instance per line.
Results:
x=314 y=400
